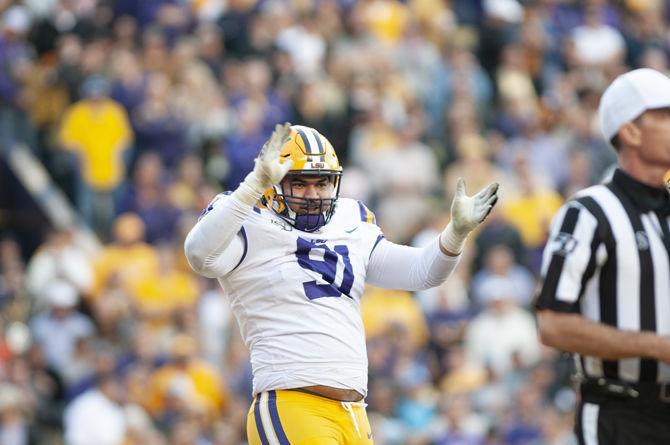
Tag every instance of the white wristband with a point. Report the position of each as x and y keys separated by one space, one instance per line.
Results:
x=250 y=190
x=451 y=240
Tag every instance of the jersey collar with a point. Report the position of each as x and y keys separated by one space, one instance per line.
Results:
x=645 y=197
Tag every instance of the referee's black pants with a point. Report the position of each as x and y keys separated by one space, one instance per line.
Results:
x=602 y=420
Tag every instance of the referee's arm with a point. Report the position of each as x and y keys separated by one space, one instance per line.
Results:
x=575 y=333
x=570 y=259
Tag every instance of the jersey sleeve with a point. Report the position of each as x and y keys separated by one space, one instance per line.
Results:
x=217 y=243
x=395 y=266
x=573 y=252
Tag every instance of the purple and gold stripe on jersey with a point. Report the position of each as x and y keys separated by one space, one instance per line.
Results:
x=268 y=423
x=366 y=215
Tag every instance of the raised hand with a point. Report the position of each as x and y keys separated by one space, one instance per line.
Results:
x=268 y=169
x=467 y=212
x=267 y=166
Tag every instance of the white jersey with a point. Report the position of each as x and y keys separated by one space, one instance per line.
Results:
x=296 y=297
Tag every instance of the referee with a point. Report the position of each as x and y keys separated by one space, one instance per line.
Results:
x=605 y=292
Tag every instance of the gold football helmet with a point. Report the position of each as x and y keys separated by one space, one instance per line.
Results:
x=312 y=155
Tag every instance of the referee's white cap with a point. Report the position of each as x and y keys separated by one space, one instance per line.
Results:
x=630 y=95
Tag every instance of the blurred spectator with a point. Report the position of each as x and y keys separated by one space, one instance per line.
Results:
x=556 y=429
x=458 y=423
x=198 y=100
x=499 y=262
x=13 y=299
x=461 y=375
x=112 y=310
x=97 y=416
x=185 y=386
x=157 y=125
x=513 y=79
x=146 y=197
x=216 y=324
x=403 y=175
x=241 y=147
x=14 y=424
x=524 y=427
x=399 y=309
x=305 y=45
x=386 y=19
x=386 y=427
x=169 y=290
x=235 y=24
x=17 y=62
x=473 y=163
x=498 y=231
x=531 y=210
x=515 y=344
x=46 y=391
x=189 y=181
x=210 y=44
x=129 y=258
x=590 y=156
x=417 y=407
x=257 y=88
x=59 y=328
x=130 y=80
x=460 y=78
x=59 y=258
x=97 y=130
x=595 y=42
x=81 y=364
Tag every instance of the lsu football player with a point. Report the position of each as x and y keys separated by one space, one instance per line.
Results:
x=293 y=258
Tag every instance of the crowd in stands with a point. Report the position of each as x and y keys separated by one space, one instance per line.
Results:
x=142 y=111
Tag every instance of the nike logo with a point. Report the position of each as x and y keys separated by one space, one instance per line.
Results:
x=352 y=230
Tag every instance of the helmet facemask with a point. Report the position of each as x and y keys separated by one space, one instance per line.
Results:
x=314 y=213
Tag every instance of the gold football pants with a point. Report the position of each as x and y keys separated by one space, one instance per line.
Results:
x=286 y=417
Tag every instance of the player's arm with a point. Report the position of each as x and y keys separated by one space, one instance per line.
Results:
x=213 y=243
x=411 y=268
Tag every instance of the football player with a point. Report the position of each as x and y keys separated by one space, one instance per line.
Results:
x=293 y=258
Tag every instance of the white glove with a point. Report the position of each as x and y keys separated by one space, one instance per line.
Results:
x=268 y=170
x=467 y=212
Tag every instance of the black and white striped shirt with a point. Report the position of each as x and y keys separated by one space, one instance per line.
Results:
x=608 y=258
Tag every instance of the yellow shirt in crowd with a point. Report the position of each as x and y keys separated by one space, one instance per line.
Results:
x=198 y=385
x=165 y=292
x=99 y=132
x=532 y=215
x=387 y=19
x=129 y=264
x=381 y=308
